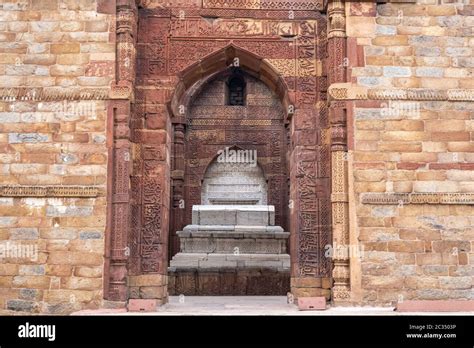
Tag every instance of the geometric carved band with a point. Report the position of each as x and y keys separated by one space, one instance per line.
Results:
x=417 y=198
x=348 y=91
x=52 y=93
x=49 y=191
x=310 y=5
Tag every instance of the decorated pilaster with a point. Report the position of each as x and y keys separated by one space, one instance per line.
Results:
x=337 y=118
x=177 y=182
x=120 y=107
x=126 y=41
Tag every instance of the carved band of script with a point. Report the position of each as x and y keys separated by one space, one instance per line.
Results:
x=311 y=5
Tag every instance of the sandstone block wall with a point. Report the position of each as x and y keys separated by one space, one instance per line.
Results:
x=412 y=250
x=52 y=50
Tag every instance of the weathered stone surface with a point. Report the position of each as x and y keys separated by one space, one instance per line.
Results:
x=16 y=138
x=31 y=294
x=32 y=270
x=23 y=306
x=74 y=258
x=33 y=281
x=68 y=211
x=90 y=235
x=24 y=234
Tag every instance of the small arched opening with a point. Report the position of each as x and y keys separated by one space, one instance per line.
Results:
x=236 y=89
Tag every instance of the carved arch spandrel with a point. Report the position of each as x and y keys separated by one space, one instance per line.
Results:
x=198 y=74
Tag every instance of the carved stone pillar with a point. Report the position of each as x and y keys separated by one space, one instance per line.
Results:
x=119 y=111
x=308 y=158
x=119 y=196
x=126 y=40
x=340 y=203
x=337 y=117
x=177 y=177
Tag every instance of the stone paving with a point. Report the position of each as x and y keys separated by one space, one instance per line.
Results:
x=252 y=305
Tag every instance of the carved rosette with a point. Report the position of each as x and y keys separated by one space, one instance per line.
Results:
x=339 y=158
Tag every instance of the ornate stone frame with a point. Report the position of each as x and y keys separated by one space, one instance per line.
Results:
x=122 y=281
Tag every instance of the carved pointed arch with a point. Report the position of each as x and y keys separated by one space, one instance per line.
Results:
x=198 y=74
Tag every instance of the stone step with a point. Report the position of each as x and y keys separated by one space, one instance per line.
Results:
x=232 y=245
x=222 y=231
x=188 y=261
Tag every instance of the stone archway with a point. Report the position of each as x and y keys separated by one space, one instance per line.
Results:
x=257 y=128
x=310 y=223
x=141 y=117
x=208 y=129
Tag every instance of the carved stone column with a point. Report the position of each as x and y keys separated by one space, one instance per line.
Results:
x=119 y=111
x=126 y=41
x=177 y=178
x=337 y=117
x=340 y=204
x=119 y=197
x=309 y=158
